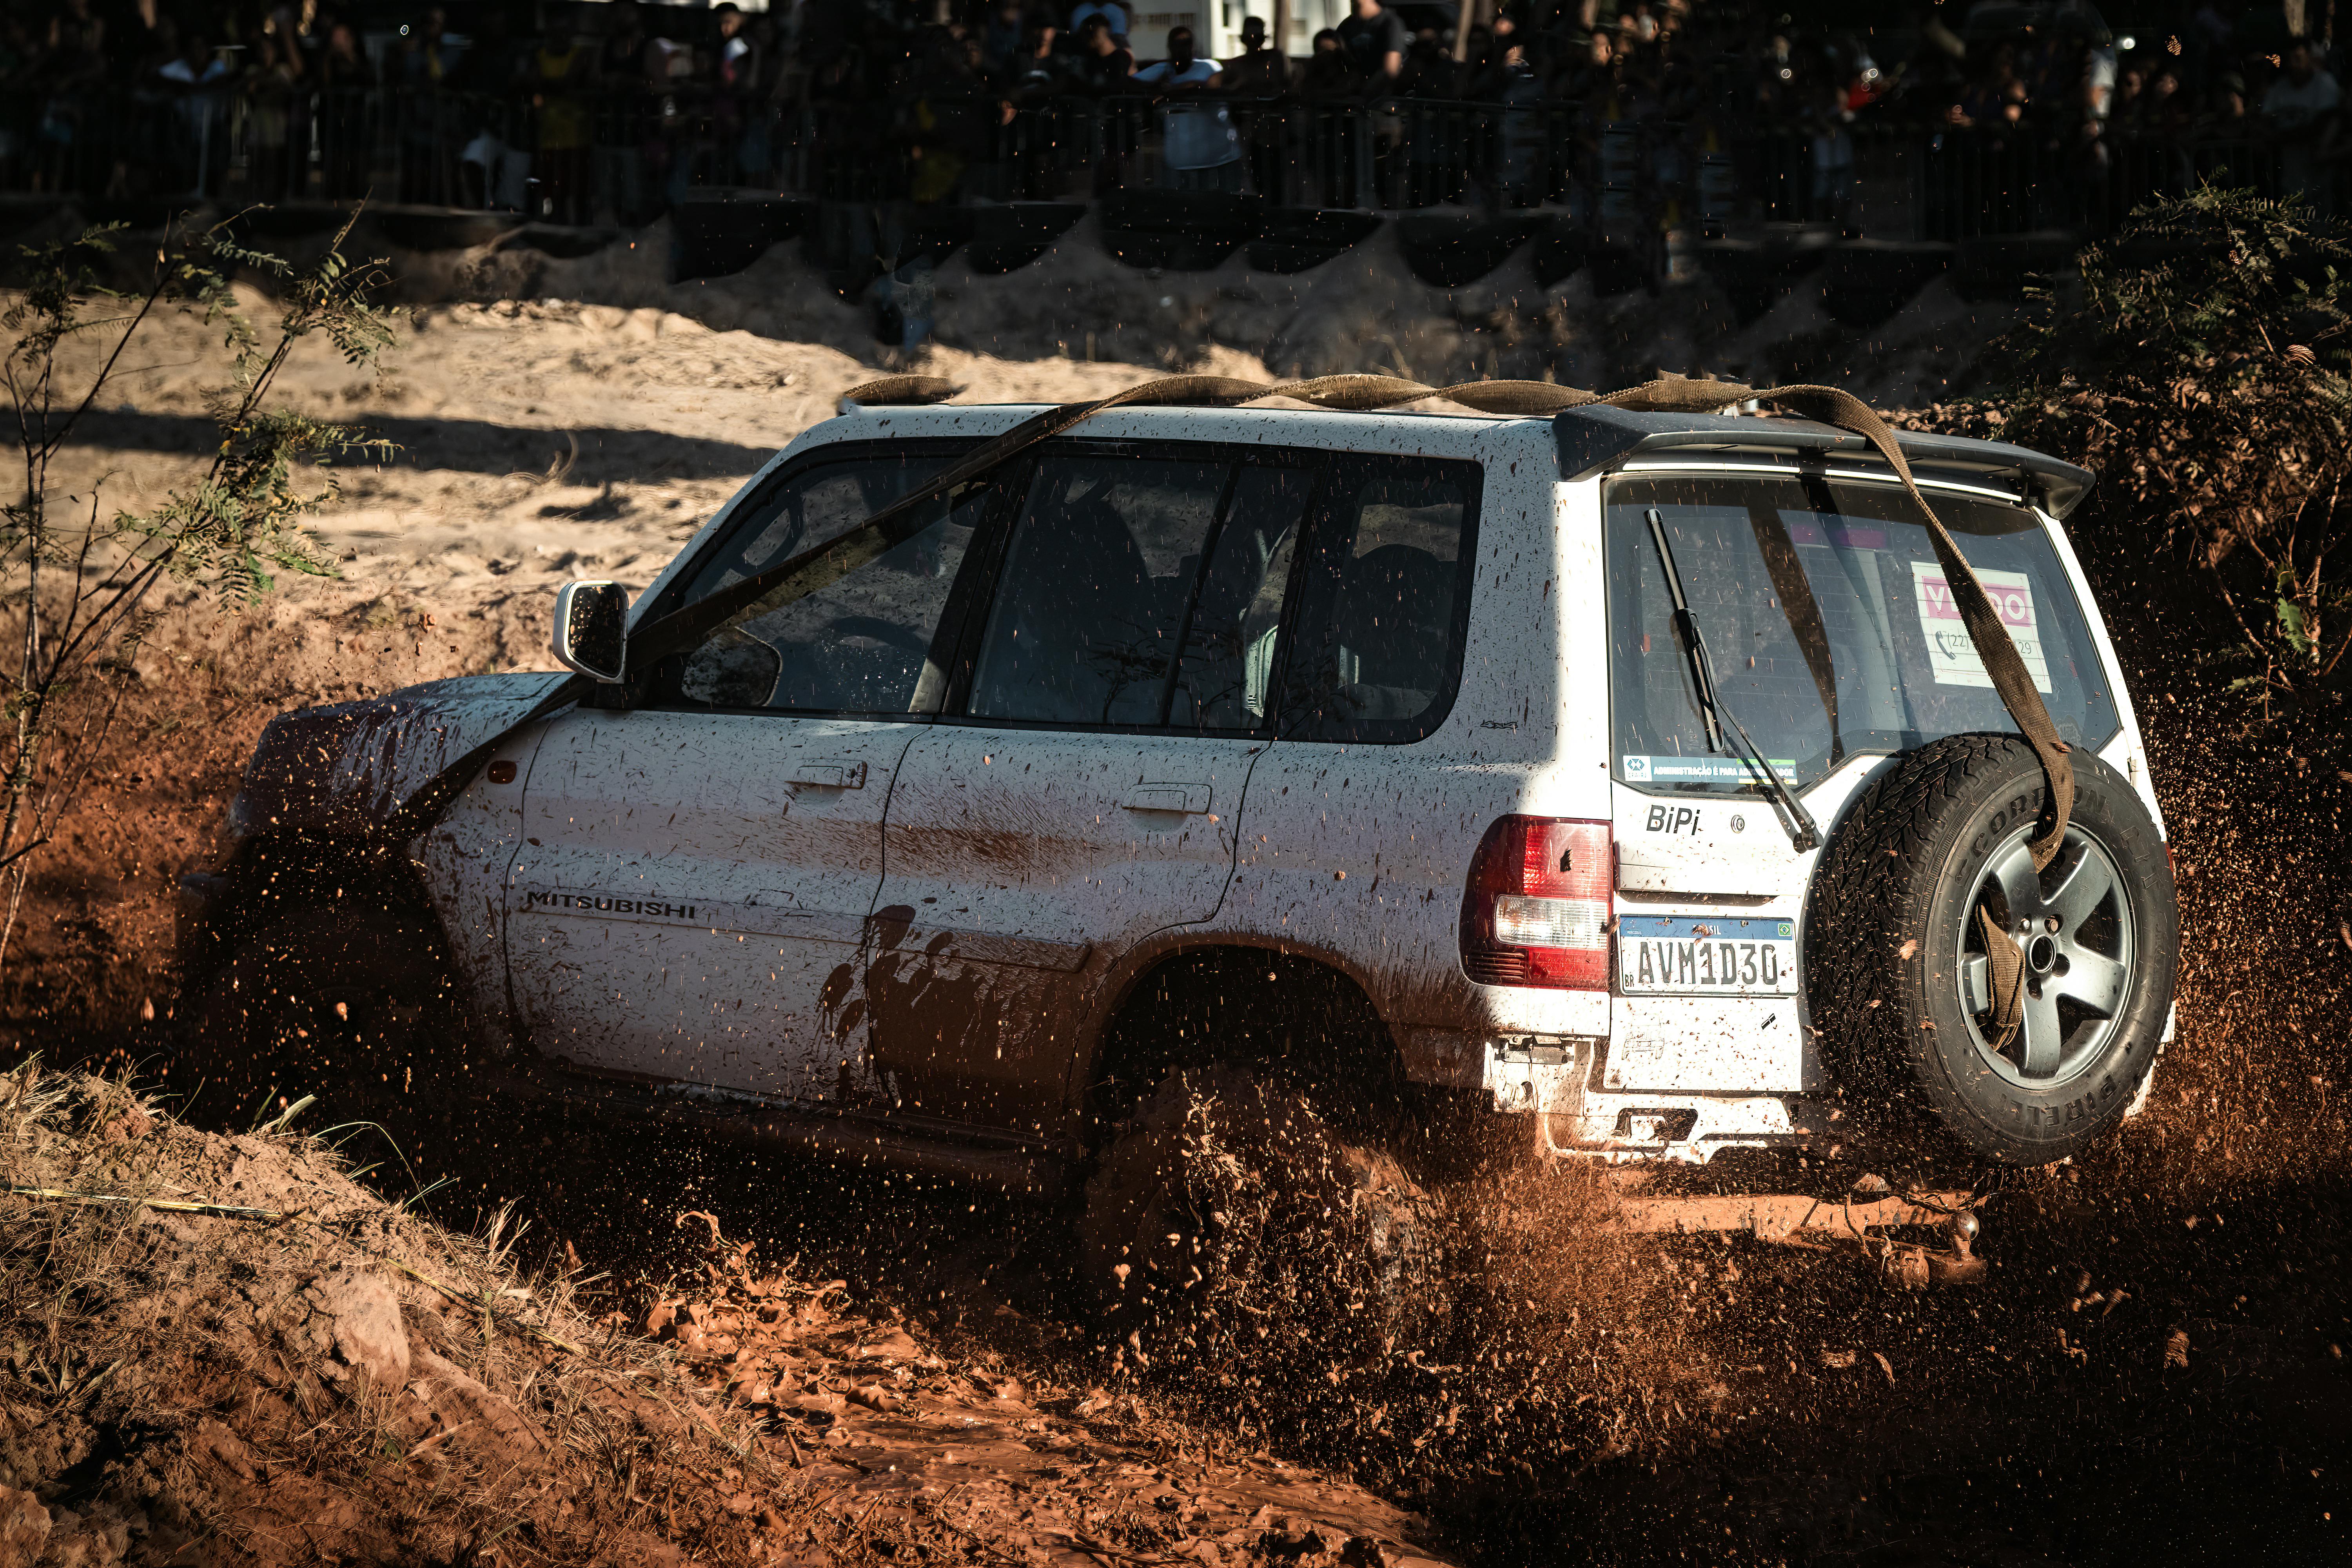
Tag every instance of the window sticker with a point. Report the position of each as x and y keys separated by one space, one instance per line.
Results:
x=1700 y=769
x=1950 y=655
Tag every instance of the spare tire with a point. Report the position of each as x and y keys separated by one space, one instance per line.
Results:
x=1900 y=981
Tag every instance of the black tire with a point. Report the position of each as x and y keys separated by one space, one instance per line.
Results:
x=1226 y=1210
x=1894 y=951
x=371 y=1025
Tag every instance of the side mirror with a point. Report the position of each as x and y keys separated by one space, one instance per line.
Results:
x=589 y=619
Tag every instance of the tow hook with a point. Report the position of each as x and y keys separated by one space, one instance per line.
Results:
x=1916 y=1268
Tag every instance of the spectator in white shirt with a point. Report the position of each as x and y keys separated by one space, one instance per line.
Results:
x=1198 y=143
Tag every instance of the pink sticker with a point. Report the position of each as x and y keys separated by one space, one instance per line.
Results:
x=1951 y=654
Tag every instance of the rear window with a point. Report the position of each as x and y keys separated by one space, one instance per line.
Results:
x=1830 y=625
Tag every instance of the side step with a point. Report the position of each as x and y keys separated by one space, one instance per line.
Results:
x=840 y=1137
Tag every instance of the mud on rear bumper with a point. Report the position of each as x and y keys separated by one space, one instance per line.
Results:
x=1552 y=1079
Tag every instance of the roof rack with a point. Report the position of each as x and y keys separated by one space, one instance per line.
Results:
x=1598 y=437
x=1595 y=432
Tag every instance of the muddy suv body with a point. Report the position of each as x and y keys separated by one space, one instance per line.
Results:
x=1193 y=714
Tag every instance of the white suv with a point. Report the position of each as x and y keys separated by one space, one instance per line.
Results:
x=1630 y=771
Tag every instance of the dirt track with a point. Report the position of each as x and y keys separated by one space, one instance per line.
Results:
x=2156 y=1370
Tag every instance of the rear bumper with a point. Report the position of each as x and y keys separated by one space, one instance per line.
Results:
x=1555 y=1079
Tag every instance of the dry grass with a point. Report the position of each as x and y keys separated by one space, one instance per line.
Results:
x=200 y=1368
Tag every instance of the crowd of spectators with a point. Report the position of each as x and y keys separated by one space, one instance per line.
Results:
x=582 y=112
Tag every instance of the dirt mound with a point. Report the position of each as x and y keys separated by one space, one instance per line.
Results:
x=1364 y=311
x=224 y=1345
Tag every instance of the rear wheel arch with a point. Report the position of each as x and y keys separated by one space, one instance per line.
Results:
x=1237 y=1003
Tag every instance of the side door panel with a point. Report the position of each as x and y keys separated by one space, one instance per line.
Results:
x=1088 y=791
x=1021 y=864
x=689 y=883
x=696 y=873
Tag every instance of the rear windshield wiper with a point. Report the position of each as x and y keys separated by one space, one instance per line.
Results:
x=1803 y=832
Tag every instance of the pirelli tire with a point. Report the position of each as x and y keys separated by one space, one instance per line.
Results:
x=1898 y=976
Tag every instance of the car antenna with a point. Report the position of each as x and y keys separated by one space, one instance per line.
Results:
x=1805 y=833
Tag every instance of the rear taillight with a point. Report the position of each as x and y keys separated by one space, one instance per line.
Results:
x=1536 y=909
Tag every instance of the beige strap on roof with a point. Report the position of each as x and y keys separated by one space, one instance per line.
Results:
x=1668 y=394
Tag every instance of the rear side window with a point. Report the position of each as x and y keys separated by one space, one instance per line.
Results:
x=857 y=646
x=1830 y=625
x=1384 y=602
x=1141 y=591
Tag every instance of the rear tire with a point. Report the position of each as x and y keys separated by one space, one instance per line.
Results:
x=1896 y=970
x=1227 y=1218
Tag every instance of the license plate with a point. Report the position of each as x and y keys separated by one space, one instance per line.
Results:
x=1679 y=957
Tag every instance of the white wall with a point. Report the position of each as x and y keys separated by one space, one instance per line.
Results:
x=1217 y=24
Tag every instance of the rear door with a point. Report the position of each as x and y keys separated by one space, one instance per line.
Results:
x=697 y=872
x=1085 y=789
x=1833 y=639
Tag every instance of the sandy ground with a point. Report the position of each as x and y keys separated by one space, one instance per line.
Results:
x=536 y=441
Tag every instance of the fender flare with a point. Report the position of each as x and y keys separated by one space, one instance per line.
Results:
x=341 y=791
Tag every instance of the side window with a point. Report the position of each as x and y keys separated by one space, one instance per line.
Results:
x=1231 y=637
x=856 y=647
x=1140 y=591
x=1385 y=602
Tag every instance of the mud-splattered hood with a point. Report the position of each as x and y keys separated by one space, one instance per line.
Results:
x=381 y=767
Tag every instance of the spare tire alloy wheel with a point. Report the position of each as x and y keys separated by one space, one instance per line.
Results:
x=2073 y=927
x=2024 y=1052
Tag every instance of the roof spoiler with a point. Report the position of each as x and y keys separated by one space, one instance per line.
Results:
x=1597 y=437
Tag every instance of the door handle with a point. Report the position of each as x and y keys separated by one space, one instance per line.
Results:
x=1183 y=799
x=827 y=775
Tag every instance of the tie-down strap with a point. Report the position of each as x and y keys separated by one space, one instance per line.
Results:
x=825 y=565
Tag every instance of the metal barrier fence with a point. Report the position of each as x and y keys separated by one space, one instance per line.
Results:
x=626 y=157
x=1976 y=183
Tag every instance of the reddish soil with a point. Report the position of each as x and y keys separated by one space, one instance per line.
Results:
x=297 y=1371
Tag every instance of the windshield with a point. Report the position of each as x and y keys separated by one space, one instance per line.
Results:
x=1831 y=628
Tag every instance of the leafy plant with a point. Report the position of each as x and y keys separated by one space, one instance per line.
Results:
x=2202 y=370
x=78 y=581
